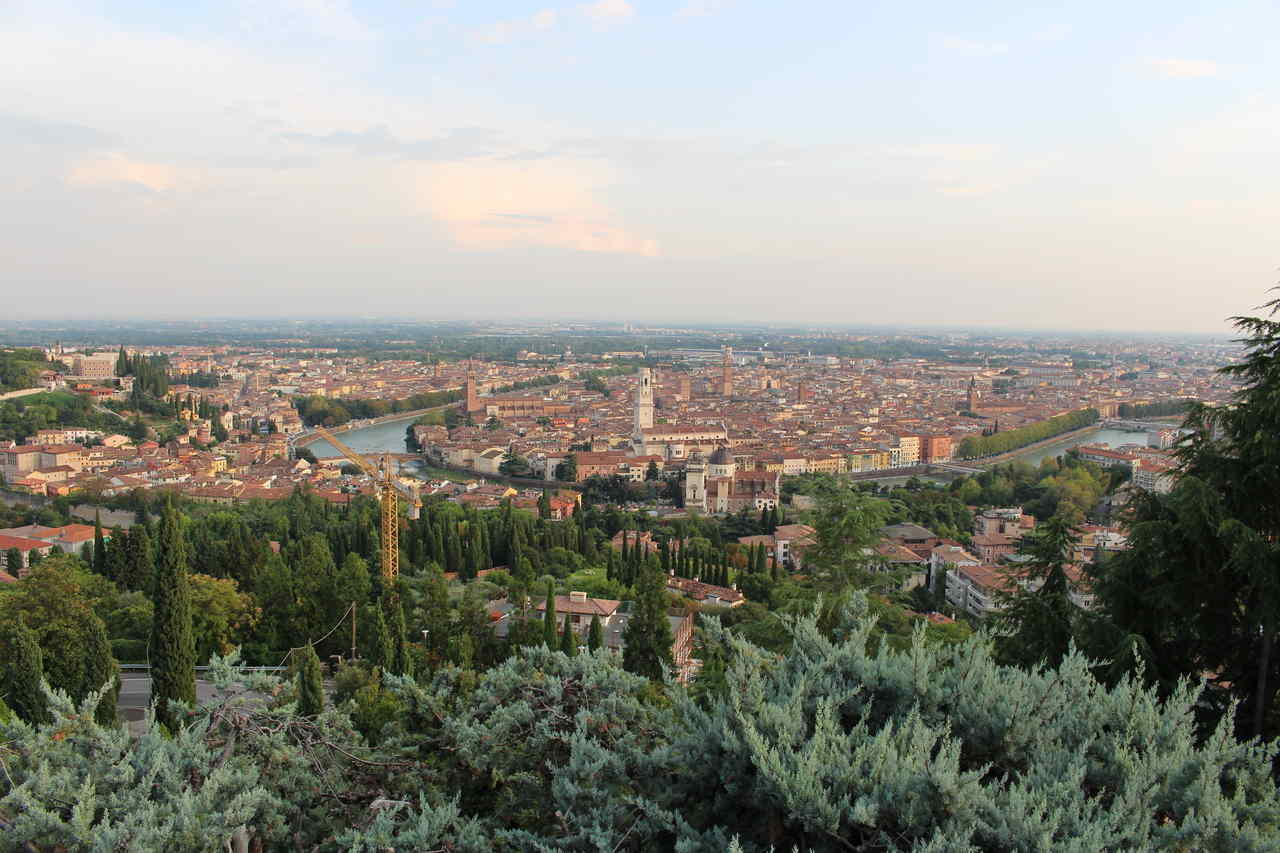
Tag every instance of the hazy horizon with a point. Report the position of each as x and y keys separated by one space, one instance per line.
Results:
x=997 y=168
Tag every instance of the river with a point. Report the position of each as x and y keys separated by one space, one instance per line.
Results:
x=385 y=437
x=1109 y=437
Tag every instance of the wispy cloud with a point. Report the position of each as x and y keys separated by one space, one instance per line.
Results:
x=701 y=8
x=491 y=206
x=607 y=12
x=119 y=170
x=1184 y=68
x=971 y=47
x=512 y=29
x=456 y=144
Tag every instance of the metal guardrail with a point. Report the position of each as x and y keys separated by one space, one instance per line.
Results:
x=142 y=667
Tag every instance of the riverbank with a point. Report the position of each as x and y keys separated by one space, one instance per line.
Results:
x=354 y=426
x=1012 y=455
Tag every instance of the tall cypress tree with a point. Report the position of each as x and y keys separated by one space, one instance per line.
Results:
x=22 y=671
x=401 y=664
x=595 y=635
x=568 y=639
x=379 y=650
x=99 y=546
x=173 y=649
x=115 y=549
x=647 y=639
x=549 y=629
x=101 y=670
x=310 y=683
x=139 y=567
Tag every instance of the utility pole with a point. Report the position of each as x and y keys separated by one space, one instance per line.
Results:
x=353 y=630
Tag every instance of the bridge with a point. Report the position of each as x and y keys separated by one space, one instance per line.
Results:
x=1137 y=426
x=953 y=468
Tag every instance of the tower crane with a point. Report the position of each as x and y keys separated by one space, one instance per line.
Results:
x=390 y=489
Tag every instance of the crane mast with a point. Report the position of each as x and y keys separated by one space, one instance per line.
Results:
x=389 y=493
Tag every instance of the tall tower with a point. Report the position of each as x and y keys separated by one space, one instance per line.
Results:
x=473 y=399
x=644 y=402
x=695 y=482
x=686 y=387
x=972 y=398
x=726 y=373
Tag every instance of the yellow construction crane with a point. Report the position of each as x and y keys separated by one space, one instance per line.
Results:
x=389 y=491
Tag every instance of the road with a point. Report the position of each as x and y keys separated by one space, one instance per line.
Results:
x=135 y=695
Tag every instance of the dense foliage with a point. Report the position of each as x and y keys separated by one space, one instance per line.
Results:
x=835 y=745
x=20 y=368
x=976 y=447
x=330 y=413
x=23 y=416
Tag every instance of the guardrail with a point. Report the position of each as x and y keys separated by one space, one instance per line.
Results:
x=143 y=667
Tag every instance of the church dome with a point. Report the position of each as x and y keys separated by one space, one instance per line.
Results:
x=722 y=456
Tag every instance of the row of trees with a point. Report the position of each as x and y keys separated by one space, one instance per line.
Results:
x=323 y=411
x=975 y=447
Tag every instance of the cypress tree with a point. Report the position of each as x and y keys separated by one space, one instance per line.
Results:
x=544 y=505
x=310 y=683
x=569 y=639
x=595 y=636
x=101 y=670
x=380 y=653
x=99 y=546
x=13 y=562
x=401 y=663
x=173 y=650
x=22 y=671
x=139 y=567
x=549 y=620
x=116 y=559
x=647 y=639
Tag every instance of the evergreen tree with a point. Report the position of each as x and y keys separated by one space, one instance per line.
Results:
x=1038 y=618
x=401 y=663
x=99 y=546
x=1197 y=589
x=13 y=562
x=22 y=671
x=172 y=649
x=379 y=650
x=101 y=672
x=647 y=638
x=595 y=635
x=544 y=505
x=139 y=567
x=116 y=557
x=310 y=683
x=568 y=639
x=549 y=625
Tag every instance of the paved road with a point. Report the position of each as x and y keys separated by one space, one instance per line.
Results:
x=135 y=695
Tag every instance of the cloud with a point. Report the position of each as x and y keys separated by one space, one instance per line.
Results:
x=606 y=12
x=969 y=47
x=119 y=170
x=701 y=8
x=515 y=28
x=51 y=134
x=332 y=20
x=1184 y=68
x=496 y=205
x=455 y=144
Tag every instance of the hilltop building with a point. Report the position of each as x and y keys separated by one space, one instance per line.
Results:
x=716 y=485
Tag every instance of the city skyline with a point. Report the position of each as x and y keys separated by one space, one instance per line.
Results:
x=675 y=163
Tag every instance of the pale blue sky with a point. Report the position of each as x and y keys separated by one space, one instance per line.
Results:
x=1091 y=165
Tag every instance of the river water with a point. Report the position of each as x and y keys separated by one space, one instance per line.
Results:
x=1107 y=436
x=385 y=437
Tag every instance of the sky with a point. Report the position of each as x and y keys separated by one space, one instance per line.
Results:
x=1082 y=165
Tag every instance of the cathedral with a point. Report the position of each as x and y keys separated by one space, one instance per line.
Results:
x=714 y=484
